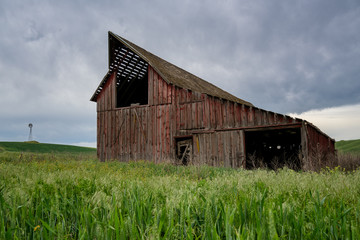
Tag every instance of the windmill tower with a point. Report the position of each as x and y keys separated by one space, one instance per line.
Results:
x=30 y=134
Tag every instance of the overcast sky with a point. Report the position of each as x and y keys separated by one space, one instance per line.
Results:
x=298 y=57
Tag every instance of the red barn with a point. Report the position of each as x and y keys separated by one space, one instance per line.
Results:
x=150 y=109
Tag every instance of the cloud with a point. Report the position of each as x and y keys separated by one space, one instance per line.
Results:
x=341 y=123
x=281 y=56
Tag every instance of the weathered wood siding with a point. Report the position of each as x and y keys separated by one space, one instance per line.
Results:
x=317 y=144
x=148 y=131
x=220 y=148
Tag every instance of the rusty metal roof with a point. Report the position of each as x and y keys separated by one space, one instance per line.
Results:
x=137 y=59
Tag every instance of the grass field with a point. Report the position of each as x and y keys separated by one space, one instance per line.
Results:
x=73 y=196
x=349 y=146
x=35 y=147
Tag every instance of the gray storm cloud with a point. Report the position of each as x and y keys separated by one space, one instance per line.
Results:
x=281 y=56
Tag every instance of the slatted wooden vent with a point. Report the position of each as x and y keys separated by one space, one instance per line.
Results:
x=128 y=65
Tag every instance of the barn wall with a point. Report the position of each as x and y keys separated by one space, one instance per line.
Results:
x=217 y=125
x=224 y=114
x=318 y=145
x=221 y=149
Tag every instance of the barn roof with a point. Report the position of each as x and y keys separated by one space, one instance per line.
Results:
x=139 y=58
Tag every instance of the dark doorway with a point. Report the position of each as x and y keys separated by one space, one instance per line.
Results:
x=273 y=148
x=183 y=150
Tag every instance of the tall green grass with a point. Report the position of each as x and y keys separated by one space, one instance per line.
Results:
x=73 y=198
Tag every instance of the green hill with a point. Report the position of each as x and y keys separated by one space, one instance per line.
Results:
x=36 y=147
x=349 y=146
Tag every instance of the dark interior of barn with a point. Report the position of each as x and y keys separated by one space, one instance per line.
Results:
x=131 y=91
x=273 y=148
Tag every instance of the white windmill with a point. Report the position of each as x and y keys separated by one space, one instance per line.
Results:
x=30 y=134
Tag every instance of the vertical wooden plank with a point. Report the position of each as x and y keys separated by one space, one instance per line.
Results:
x=205 y=144
x=270 y=118
x=112 y=134
x=115 y=140
x=212 y=107
x=100 y=137
x=220 y=149
x=100 y=103
x=202 y=149
x=172 y=129
x=159 y=137
x=108 y=132
x=167 y=127
x=164 y=91
x=246 y=111
x=178 y=118
x=124 y=135
x=121 y=134
x=189 y=121
x=276 y=119
x=160 y=90
x=150 y=85
x=156 y=88
x=146 y=126
x=250 y=120
x=174 y=99
x=113 y=92
x=209 y=146
x=213 y=149
x=237 y=115
x=132 y=134
x=163 y=126
x=200 y=116
x=117 y=135
x=193 y=122
x=98 y=128
x=169 y=93
x=105 y=97
x=128 y=135
x=205 y=115
x=219 y=115
x=224 y=113
x=142 y=142
x=231 y=115
x=265 y=118
x=196 y=149
x=154 y=133
x=225 y=149
x=182 y=117
x=139 y=133
x=241 y=148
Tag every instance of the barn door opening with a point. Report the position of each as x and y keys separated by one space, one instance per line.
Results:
x=183 y=150
x=273 y=148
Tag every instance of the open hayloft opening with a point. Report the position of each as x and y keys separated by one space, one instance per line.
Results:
x=273 y=148
x=183 y=150
x=131 y=91
x=131 y=74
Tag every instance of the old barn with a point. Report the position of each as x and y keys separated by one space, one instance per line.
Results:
x=150 y=109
